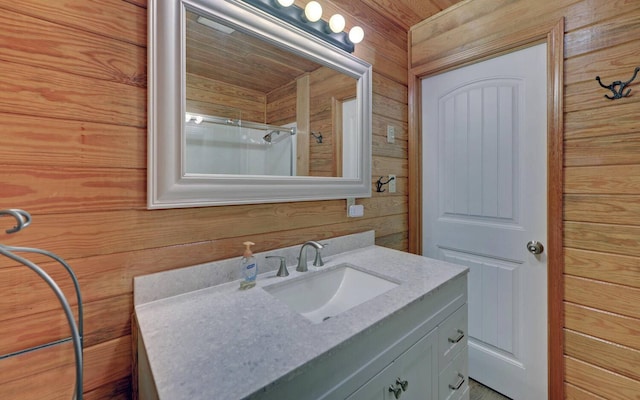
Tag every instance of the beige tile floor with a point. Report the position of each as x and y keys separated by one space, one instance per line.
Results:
x=478 y=391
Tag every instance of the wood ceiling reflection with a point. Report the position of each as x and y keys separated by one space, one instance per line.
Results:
x=239 y=59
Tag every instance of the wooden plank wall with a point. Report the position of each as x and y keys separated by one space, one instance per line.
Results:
x=281 y=105
x=73 y=153
x=601 y=172
x=326 y=85
x=215 y=98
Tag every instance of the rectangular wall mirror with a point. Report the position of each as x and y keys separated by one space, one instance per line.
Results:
x=245 y=108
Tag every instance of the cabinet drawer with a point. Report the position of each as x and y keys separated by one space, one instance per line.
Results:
x=452 y=336
x=416 y=367
x=454 y=379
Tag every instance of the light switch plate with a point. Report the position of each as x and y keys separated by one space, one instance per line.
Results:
x=392 y=183
x=391 y=134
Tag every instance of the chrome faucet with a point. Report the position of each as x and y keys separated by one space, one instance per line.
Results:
x=302 y=258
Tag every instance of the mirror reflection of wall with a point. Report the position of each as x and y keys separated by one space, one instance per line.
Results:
x=233 y=75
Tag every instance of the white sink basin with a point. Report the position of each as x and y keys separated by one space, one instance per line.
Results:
x=321 y=295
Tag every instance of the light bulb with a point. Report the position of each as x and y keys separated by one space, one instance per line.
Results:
x=356 y=34
x=313 y=11
x=336 y=23
x=285 y=3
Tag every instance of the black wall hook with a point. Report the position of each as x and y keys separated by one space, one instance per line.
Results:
x=317 y=135
x=618 y=87
x=379 y=184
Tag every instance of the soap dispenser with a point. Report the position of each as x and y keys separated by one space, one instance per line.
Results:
x=249 y=267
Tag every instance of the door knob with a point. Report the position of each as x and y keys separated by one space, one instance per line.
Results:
x=535 y=247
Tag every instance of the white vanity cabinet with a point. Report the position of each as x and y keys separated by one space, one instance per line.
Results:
x=433 y=368
x=219 y=342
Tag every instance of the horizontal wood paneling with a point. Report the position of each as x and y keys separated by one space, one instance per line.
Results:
x=618 y=239
x=608 y=179
x=586 y=67
x=604 y=325
x=106 y=363
x=282 y=105
x=600 y=381
x=85 y=53
x=589 y=123
x=608 y=150
x=117 y=390
x=514 y=16
x=620 y=299
x=383 y=166
x=609 y=209
x=572 y=392
x=620 y=359
x=590 y=96
x=27 y=90
x=104 y=320
x=66 y=188
x=388 y=88
x=73 y=153
x=608 y=32
x=120 y=20
x=69 y=143
x=390 y=108
x=623 y=270
x=95 y=233
x=223 y=100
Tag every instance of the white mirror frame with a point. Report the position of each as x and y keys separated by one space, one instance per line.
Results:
x=169 y=186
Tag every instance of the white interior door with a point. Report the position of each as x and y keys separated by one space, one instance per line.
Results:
x=484 y=197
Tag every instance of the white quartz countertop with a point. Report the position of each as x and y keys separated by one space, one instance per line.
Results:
x=220 y=342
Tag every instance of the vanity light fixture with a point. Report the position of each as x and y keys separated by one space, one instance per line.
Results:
x=356 y=34
x=310 y=20
x=313 y=11
x=336 y=23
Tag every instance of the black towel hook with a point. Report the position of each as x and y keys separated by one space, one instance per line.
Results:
x=618 y=87
x=379 y=184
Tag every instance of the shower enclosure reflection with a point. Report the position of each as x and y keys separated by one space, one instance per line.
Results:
x=227 y=147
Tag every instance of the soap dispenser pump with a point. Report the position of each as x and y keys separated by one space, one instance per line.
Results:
x=249 y=267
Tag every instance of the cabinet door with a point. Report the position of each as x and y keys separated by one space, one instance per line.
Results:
x=417 y=367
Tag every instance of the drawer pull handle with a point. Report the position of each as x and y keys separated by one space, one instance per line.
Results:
x=403 y=384
x=396 y=390
x=458 y=383
x=457 y=338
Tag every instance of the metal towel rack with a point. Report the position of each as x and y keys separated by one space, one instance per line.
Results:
x=23 y=219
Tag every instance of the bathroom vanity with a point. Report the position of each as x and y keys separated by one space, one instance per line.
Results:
x=405 y=338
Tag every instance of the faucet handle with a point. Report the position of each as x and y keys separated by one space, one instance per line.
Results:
x=282 y=271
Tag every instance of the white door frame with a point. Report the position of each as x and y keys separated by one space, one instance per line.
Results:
x=554 y=36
